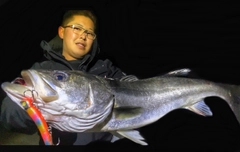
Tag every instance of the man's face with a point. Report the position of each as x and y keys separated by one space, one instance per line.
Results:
x=76 y=42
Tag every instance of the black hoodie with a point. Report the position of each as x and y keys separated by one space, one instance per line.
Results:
x=16 y=119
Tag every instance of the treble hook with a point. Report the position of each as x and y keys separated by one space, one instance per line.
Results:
x=32 y=92
x=58 y=142
x=50 y=131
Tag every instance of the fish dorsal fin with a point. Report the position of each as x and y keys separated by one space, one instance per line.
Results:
x=133 y=135
x=179 y=72
x=200 y=108
x=126 y=112
x=129 y=78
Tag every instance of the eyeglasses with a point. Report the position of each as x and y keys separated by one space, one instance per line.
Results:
x=79 y=30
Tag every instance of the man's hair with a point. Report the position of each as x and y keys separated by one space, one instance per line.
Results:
x=67 y=17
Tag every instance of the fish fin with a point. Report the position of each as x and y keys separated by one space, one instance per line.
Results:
x=126 y=112
x=129 y=78
x=179 y=72
x=200 y=108
x=133 y=135
x=116 y=136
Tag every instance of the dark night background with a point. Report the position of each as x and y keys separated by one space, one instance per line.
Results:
x=145 y=38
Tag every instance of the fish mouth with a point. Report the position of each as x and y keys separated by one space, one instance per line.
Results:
x=19 y=88
x=19 y=80
x=17 y=91
x=31 y=85
x=39 y=84
x=25 y=80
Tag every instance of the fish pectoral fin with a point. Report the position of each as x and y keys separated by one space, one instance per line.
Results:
x=126 y=112
x=133 y=135
x=200 y=108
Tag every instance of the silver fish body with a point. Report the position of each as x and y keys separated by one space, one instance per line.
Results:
x=154 y=97
x=74 y=101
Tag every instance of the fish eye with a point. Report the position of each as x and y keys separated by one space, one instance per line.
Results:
x=61 y=76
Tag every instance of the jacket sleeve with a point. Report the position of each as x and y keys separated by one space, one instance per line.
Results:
x=105 y=68
x=15 y=118
x=114 y=72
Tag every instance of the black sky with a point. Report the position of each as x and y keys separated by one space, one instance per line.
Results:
x=143 y=37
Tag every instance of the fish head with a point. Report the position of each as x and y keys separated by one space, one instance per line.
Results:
x=48 y=86
x=53 y=85
x=63 y=97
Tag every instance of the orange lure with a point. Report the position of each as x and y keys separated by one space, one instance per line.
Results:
x=37 y=117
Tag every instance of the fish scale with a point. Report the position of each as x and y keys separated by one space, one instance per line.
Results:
x=91 y=103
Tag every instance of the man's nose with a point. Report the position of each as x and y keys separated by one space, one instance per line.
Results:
x=83 y=35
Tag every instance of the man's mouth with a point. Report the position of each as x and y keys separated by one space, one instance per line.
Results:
x=81 y=45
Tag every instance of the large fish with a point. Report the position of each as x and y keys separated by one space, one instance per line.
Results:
x=74 y=101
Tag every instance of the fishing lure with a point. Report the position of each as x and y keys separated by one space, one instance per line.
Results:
x=36 y=115
x=38 y=119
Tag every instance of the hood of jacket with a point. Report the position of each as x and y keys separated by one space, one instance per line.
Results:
x=53 y=51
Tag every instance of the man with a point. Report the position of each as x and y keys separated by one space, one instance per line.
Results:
x=78 y=52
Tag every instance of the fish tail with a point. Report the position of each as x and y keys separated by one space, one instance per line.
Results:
x=234 y=101
x=230 y=94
